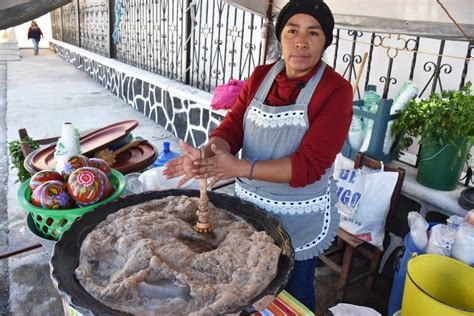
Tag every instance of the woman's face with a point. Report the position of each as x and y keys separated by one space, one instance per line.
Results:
x=34 y=24
x=302 y=44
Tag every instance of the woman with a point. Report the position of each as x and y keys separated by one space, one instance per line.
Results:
x=34 y=32
x=290 y=120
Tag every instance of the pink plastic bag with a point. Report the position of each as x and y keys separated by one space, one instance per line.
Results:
x=225 y=95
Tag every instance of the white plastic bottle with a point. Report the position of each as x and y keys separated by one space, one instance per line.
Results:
x=371 y=104
x=356 y=132
x=407 y=92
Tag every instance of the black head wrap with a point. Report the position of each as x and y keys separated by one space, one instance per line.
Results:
x=316 y=8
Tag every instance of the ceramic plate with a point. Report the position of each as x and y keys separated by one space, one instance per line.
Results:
x=136 y=158
x=99 y=139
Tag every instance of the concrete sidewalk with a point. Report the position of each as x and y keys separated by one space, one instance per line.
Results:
x=43 y=92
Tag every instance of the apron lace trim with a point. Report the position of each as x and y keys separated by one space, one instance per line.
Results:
x=286 y=207
x=287 y=118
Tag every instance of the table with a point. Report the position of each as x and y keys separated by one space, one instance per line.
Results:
x=431 y=200
x=285 y=304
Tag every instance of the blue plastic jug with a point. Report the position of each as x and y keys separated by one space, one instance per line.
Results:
x=165 y=155
x=398 y=284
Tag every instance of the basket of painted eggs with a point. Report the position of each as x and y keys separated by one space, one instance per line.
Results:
x=55 y=200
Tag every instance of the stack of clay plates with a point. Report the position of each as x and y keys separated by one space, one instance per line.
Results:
x=113 y=137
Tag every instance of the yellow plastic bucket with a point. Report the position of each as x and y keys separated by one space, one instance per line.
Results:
x=438 y=285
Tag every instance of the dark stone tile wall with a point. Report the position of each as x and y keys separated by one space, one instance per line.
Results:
x=183 y=117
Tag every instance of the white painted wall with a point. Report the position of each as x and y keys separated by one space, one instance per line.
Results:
x=44 y=22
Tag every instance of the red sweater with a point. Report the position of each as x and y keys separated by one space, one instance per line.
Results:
x=34 y=33
x=329 y=113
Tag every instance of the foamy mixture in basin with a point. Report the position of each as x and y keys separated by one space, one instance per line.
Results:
x=147 y=259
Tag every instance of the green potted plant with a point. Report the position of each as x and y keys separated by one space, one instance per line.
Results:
x=444 y=124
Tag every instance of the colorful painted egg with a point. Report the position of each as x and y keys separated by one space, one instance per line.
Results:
x=101 y=165
x=105 y=180
x=74 y=163
x=42 y=176
x=52 y=194
x=88 y=185
x=107 y=187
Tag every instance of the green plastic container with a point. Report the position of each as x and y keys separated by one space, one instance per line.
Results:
x=53 y=223
x=440 y=166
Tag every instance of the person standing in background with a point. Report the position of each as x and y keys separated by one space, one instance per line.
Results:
x=34 y=32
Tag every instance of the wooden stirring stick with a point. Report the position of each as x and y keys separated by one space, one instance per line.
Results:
x=359 y=73
x=203 y=224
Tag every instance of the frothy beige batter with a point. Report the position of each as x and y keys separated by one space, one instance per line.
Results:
x=147 y=259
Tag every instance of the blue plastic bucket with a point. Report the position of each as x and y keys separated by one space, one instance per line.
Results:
x=396 y=294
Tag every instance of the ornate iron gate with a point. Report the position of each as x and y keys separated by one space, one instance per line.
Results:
x=204 y=43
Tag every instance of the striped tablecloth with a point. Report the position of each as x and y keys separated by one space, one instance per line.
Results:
x=283 y=305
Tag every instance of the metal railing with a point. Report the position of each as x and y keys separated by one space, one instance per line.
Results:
x=433 y=65
x=204 y=43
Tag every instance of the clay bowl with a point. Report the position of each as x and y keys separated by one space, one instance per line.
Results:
x=65 y=258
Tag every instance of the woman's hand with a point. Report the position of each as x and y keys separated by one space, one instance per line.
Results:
x=182 y=165
x=221 y=166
